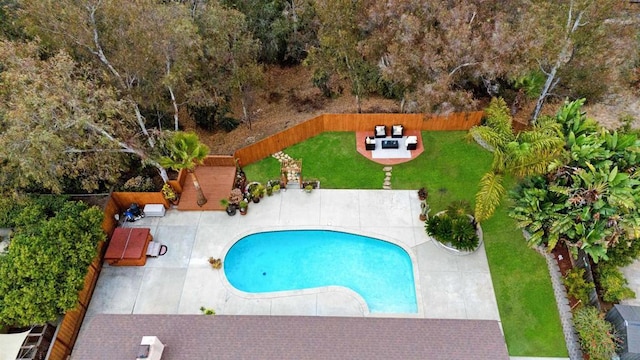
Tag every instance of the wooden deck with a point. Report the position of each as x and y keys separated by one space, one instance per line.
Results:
x=360 y=135
x=216 y=183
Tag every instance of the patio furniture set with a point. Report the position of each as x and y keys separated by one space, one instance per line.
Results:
x=397 y=135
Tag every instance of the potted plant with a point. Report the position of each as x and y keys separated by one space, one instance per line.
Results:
x=269 y=189
x=424 y=210
x=170 y=194
x=235 y=196
x=422 y=194
x=258 y=192
x=276 y=188
x=228 y=207
x=215 y=263
x=206 y=311
x=308 y=188
x=254 y=191
x=243 y=206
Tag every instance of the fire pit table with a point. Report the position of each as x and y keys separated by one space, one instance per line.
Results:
x=390 y=144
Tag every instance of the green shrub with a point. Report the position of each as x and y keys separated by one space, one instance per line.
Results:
x=9 y=209
x=577 y=286
x=624 y=252
x=597 y=336
x=613 y=284
x=531 y=83
x=464 y=235
x=454 y=227
x=139 y=184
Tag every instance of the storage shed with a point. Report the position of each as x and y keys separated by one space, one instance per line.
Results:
x=626 y=320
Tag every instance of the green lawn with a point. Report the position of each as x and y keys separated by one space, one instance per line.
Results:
x=450 y=168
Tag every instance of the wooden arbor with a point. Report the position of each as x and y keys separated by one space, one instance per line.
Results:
x=291 y=171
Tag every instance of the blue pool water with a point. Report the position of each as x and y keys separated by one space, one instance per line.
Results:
x=379 y=271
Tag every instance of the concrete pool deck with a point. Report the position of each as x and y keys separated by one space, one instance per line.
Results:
x=182 y=281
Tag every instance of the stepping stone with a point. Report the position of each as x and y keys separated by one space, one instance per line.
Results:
x=386 y=188
x=387 y=168
x=387 y=183
x=388 y=173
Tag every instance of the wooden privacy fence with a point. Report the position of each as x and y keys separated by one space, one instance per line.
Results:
x=69 y=327
x=353 y=122
x=124 y=199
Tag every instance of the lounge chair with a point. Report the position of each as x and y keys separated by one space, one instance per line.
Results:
x=397 y=131
x=369 y=143
x=380 y=131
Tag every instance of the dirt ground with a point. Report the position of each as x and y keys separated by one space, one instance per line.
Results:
x=288 y=98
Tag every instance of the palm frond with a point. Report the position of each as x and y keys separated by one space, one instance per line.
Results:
x=489 y=196
x=487 y=137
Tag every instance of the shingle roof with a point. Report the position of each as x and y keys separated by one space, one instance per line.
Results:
x=291 y=337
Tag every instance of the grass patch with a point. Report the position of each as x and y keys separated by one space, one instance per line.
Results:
x=527 y=306
x=450 y=168
x=263 y=170
x=330 y=157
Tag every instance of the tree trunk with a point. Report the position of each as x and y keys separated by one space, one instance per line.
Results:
x=103 y=58
x=175 y=109
x=563 y=58
x=245 y=111
x=176 y=126
x=358 y=104
x=124 y=147
x=201 y=198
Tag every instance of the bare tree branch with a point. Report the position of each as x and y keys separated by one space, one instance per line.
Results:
x=461 y=66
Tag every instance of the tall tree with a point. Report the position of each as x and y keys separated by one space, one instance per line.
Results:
x=574 y=46
x=59 y=123
x=186 y=152
x=227 y=65
x=285 y=28
x=145 y=46
x=438 y=53
x=337 y=52
x=44 y=268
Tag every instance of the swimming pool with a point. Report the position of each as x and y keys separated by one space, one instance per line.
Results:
x=381 y=272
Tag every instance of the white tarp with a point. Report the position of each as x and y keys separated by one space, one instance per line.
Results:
x=10 y=345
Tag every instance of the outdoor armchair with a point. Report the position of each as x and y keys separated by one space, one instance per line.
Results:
x=397 y=131
x=369 y=143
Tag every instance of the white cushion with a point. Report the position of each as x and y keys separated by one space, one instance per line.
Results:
x=397 y=130
x=380 y=130
x=369 y=140
x=412 y=139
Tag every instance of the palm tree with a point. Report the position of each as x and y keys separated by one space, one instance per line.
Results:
x=527 y=153
x=186 y=151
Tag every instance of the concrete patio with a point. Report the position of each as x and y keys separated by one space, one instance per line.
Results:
x=180 y=282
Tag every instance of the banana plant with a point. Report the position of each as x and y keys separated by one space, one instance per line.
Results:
x=588 y=199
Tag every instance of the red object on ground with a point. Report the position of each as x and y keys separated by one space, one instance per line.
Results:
x=128 y=247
